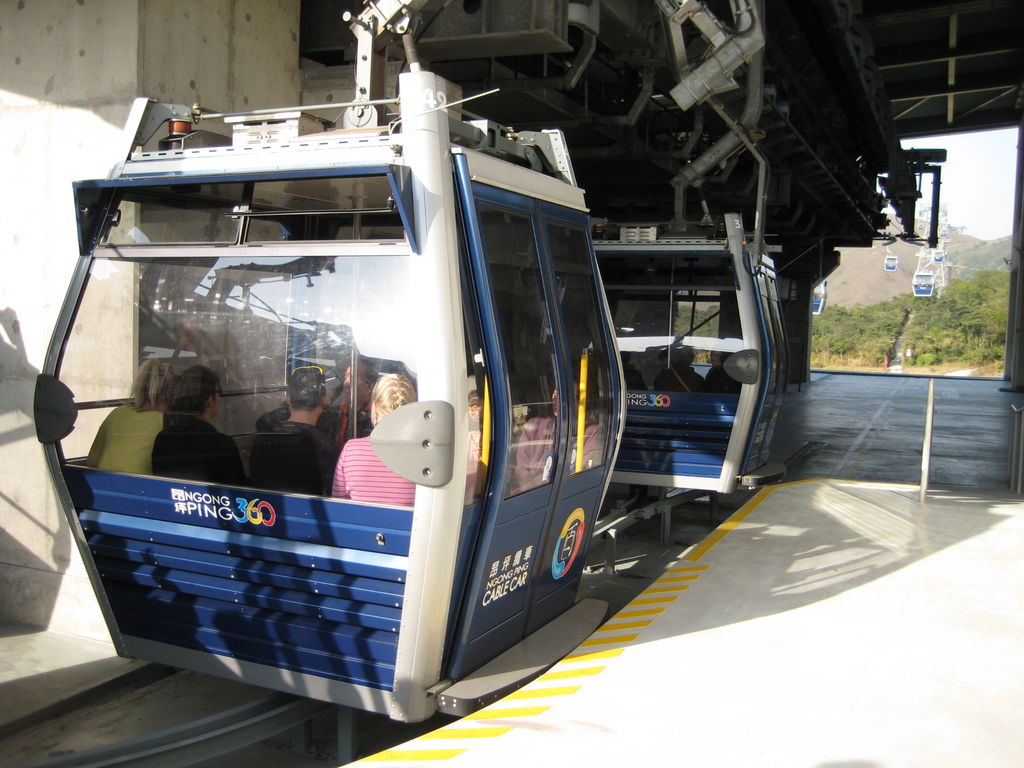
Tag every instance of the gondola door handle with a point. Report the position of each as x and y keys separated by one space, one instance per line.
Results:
x=417 y=442
x=55 y=409
x=744 y=366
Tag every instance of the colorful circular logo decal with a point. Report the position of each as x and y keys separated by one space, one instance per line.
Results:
x=569 y=544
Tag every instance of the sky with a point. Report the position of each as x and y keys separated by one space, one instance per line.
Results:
x=977 y=180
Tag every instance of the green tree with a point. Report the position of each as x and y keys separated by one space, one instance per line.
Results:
x=965 y=325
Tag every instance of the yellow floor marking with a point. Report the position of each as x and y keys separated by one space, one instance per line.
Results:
x=728 y=526
x=504 y=712
x=683 y=577
x=611 y=653
x=624 y=613
x=413 y=755
x=641 y=612
x=652 y=600
x=687 y=568
x=410 y=755
x=655 y=590
x=624 y=625
x=467 y=733
x=539 y=693
x=568 y=674
x=816 y=479
x=608 y=640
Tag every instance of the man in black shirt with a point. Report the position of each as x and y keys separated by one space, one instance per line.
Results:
x=296 y=457
x=189 y=446
x=678 y=374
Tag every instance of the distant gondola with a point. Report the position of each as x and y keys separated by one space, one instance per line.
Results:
x=924 y=284
x=819 y=298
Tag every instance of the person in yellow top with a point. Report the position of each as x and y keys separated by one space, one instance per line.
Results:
x=124 y=441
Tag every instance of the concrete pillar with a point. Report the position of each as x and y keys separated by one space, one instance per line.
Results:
x=798 y=317
x=69 y=70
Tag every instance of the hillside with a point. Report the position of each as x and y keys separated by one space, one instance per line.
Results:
x=860 y=279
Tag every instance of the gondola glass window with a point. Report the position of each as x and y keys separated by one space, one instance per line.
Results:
x=676 y=341
x=179 y=213
x=344 y=208
x=581 y=311
x=252 y=315
x=526 y=336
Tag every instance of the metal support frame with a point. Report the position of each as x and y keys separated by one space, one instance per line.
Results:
x=926 y=449
x=345 y=722
x=1014 y=366
x=377 y=20
x=624 y=515
x=203 y=739
x=1015 y=450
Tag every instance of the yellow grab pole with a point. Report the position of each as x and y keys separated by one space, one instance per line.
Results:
x=581 y=411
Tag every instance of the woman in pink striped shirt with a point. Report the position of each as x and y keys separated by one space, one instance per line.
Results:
x=360 y=474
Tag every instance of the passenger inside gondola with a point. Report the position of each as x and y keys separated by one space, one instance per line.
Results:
x=124 y=441
x=361 y=475
x=356 y=397
x=678 y=374
x=634 y=379
x=534 y=449
x=296 y=456
x=475 y=435
x=189 y=446
x=333 y=421
x=717 y=380
x=475 y=469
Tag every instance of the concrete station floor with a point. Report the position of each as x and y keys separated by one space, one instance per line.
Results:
x=833 y=623
x=828 y=624
x=871 y=427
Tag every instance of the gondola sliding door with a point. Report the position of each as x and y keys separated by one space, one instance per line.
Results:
x=543 y=490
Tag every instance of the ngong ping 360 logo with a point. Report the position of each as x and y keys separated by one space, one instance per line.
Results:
x=570 y=541
x=648 y=399
x=254 y=511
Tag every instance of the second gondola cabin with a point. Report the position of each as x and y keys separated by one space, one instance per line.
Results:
x=342 y=258
x=701 y=336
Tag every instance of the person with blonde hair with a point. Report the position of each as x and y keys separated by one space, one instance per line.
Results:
x=124 y=441
x=360 y=474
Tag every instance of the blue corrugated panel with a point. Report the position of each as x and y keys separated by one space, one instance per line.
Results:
x=299 y=583
x=296 y=518
x=336 y=651
x=252 y=570
x=689 y=436
x=298 y=602
x=313 y=556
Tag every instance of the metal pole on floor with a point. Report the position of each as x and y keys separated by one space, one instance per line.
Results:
x=346 y=736
x=926 y=450
x=1015 y=452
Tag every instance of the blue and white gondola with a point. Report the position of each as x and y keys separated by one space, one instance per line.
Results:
x=924 y=284
x=819 y=298
x=715 y=301
x=399 y=253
